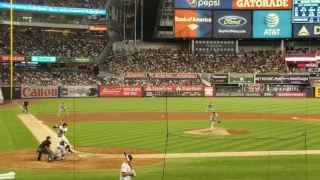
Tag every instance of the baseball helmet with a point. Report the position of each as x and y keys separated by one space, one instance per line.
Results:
x=130 y=157
x=64 y=124
x=62 y=143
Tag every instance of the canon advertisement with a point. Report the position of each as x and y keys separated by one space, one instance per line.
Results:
x=31 y=92
x=232 y=24
x=192 y=23
x=79 y=91
x=203 y=4
x=306 y=30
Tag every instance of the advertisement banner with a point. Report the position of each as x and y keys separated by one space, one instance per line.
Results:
x=173 y=91
x=272 y=24
x=82 y=60
x=291 y=94
x=269 y=78
x=30 y=92
x=224 y=46
x=219 y=79
x=241 y=78
x=120 y=91
x=232 y=24
x=52 y=9
x=45 y=59
x=208 y=91
x=317 y=92
x=6 y=58
x=135 y=75
x=98 y=28
x=192 y=23
x=174 y=75
x=203 y=4
x=261 y=4
x=296 y=79
x=306 y=30
x=78 y=91
x=16 y=92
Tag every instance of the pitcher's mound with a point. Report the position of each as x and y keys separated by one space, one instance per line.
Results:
x=217 y=131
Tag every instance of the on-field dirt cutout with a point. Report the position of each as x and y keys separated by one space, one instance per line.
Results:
x=217 y=132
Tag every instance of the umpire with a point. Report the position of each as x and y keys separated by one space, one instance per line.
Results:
x=44 y=148
x=25 y=107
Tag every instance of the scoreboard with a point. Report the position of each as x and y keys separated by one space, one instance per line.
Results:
x=306 y=11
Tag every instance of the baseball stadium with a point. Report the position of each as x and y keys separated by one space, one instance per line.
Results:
x=159 y=89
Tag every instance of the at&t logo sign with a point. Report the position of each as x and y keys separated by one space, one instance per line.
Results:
x=272 y=20
x=203 y=3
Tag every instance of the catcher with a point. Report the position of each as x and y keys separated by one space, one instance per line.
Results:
x=60 y=152
x=213 y=118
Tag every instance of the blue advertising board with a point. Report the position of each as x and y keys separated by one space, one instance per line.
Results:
x=203 y=4
x=306 y=11
x=306 y=30
x=52 y=9
x=272 y=24
x=45 y=59
x=232 y=24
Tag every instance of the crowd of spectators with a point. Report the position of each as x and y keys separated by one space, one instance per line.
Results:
x=94 y=4
x=65 y=45
x=175 y=61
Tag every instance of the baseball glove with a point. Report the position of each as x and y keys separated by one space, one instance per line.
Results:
x=218 y=121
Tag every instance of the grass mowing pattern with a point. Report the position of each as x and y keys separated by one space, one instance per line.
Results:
x=151 y=135
x=14 y=135
x=266 y=105
x=219 y=168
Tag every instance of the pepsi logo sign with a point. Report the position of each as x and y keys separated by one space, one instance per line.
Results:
x=232 y=21
x=192 y=3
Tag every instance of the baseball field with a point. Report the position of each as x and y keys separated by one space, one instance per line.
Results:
x=169 y=138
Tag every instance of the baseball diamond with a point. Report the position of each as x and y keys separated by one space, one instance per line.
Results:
x=159 y=89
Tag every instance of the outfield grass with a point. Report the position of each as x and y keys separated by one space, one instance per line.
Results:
x=151 y=135
x=266 y=105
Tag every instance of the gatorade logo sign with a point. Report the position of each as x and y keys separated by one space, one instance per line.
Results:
x=203 y=4
x=262 y=4
x=306 y=30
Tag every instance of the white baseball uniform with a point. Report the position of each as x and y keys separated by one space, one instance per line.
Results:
x=60 y=152
x=213 y=118
x=60 y=132
x=210 y=106
x=63 y=107
x=125 y=168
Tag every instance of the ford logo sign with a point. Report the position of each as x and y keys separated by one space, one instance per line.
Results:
x=232 y=21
